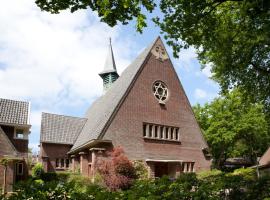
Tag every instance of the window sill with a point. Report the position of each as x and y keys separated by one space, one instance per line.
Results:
x=165 y=140
x=61 y=168
x=20 y=138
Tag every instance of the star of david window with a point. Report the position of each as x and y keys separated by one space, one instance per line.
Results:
x=160 y=91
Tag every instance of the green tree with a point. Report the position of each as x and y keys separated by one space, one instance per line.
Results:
x=110 y=11
x=233 y=36
x=233 y=127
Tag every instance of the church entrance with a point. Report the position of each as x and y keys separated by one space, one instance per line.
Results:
x=161 y=169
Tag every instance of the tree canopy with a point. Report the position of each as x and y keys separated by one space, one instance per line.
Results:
x=233 y=127
x=109 y=11
x=232 y=36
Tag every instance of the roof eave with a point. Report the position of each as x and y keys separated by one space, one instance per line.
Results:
x=89 y=144
x=15 y=124
x=54 y=142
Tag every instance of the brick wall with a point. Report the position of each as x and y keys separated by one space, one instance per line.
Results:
x=20 y=144
x=140 y=106
x=53 y=151
x=9 y=175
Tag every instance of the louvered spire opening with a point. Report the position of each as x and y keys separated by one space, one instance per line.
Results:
x=109 y=73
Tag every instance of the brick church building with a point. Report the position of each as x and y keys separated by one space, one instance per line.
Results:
x=145 y=111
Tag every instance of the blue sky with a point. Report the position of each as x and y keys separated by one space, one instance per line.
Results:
x=53 y=61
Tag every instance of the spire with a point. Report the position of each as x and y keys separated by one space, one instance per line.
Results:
x=109 y=73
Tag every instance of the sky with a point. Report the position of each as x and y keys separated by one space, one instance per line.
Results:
x=53 y=61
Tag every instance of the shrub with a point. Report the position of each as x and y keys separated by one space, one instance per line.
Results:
x=259 y=189
x=37 y=170
x=214 y=185
x=49 y=176
x=208 y=174
x=248 y=174
x=117 y=172
x=140 y=169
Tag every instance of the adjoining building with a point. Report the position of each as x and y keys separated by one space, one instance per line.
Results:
x=145 y=111
x=14 y=131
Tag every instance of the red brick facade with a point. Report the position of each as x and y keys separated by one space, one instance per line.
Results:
x=50 y=152
x=140 y=106
x=21 y=145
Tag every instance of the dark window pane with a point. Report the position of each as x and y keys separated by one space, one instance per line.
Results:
x=67 y=163
x=62 y=162
x=144 y=130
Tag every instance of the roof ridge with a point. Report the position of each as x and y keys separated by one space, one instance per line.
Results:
x=63 y=115
x=22 y=101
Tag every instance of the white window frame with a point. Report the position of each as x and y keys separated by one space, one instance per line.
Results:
x=23 y=134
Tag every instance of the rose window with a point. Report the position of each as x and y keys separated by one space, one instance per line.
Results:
x=160 y=91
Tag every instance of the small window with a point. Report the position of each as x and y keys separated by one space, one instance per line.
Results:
x=57 y=162
x=171 y=133
x=156 y=131
x=62 y=163
x=150 y=131
x=19 y=133
x=67 y=163
x=191 y=167
x=161 y=132
x=176 y=135
x=144 y=130
x=187 y=169
x=20 y=169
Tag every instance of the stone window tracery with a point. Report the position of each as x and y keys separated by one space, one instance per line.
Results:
x=160 y=91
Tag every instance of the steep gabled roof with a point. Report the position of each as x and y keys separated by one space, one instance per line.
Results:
x=14 y=112
x=101 y=111
x=6 y=147
x=60 y=129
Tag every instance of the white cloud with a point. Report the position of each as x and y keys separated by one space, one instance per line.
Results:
x=34 y=147
x=54 y=60
x=186 y=59
x=207 y=70
x=200 y=94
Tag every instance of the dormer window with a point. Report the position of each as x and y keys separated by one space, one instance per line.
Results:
x=19 y=133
